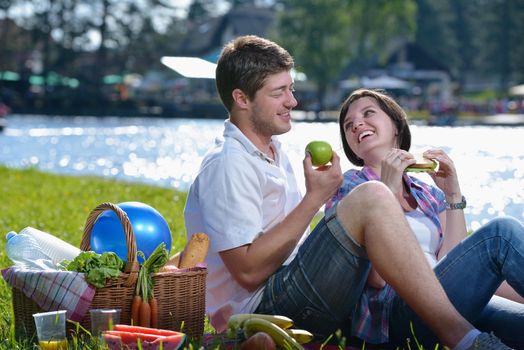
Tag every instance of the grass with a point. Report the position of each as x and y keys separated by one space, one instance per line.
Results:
x=60 y=205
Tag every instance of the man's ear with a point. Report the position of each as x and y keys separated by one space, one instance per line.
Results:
x=240 y=98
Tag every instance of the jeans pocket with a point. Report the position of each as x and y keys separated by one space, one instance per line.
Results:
x=316 y=321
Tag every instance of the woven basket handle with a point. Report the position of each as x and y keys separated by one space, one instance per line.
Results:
x=132 y=264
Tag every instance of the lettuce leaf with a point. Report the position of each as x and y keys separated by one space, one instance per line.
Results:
x=96 y=267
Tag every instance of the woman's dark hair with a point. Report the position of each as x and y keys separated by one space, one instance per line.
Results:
x=388 y=106
x=245 y=63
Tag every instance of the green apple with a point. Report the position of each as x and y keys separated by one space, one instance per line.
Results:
x=320 y=151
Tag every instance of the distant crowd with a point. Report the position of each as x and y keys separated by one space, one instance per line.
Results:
x=463 y=106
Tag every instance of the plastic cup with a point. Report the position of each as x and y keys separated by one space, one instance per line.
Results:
x=103 y=320
x=51 y=330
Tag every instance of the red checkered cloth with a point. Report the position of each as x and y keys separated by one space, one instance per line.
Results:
x=53 y=290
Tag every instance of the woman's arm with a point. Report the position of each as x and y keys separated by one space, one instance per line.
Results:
x=453 y=221
x=453 y=224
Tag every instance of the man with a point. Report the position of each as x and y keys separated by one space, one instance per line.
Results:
x=262 y=257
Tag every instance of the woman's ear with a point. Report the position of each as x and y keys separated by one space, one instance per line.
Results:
x=240 y=98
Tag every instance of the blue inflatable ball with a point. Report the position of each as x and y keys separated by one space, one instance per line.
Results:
x=150 y=228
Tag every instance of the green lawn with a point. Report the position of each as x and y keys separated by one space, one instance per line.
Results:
x=60 y=205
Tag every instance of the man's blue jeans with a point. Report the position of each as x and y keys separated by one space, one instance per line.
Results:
x=470 y=274
x=321 y=286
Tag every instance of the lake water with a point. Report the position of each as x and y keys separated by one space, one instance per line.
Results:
x=167 y=152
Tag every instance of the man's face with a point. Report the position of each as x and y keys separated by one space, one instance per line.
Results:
x=271 y=108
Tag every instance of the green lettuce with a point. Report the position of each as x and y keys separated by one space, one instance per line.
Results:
x=96 y=267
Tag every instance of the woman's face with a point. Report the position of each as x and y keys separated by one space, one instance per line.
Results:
x=369 y=131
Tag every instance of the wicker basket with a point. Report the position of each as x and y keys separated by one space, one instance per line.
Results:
x=180 y=294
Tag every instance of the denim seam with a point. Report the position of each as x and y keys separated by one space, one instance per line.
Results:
x=334 y=225
x=458 y=258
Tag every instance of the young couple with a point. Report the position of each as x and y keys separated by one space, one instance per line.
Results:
x=362 y=267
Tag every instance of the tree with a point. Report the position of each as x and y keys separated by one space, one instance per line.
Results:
x=200 y=9
x=5 y=5
x=441 y=28
x=516 y=51
x=318 y=43
x=326 y=35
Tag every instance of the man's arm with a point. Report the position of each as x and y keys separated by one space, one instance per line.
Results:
x=253 y=263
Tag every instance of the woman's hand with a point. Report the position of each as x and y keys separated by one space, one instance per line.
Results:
x=392 y=168
x=445 y=177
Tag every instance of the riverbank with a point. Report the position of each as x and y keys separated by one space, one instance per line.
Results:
x=503 y=119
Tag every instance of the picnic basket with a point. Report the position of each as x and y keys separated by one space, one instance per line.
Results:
x=180 y=294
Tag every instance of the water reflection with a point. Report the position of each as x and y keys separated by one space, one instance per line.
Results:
x=167 y=152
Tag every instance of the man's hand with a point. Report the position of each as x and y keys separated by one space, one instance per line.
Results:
x=322 y=182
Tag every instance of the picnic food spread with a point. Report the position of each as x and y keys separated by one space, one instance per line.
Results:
x=105 y=271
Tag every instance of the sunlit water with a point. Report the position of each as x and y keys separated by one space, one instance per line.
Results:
x=167 y=152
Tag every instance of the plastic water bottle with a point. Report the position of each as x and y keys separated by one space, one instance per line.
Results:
x=32 y=248
x=25 y=252
x=53 y=247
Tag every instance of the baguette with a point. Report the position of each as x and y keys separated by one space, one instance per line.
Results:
x=172 y=264
x=195 y=251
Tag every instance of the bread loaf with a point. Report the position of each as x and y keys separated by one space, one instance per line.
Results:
x=195 y=251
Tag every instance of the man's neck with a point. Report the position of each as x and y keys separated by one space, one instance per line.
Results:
x=263 y=143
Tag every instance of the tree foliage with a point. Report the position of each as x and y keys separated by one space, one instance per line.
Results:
x=324 y=36
x=477 y=40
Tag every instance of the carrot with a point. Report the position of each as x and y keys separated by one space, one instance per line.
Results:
x=146 y=330
x=145 y=284
x=135 y=309
x=153 y=305
x=145 y=314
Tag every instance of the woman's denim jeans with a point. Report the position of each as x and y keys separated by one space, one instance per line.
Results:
x=322 y=285
x=470 y=274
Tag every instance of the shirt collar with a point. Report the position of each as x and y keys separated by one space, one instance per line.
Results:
x=231 y=130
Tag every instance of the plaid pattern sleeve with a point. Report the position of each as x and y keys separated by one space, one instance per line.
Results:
x=352 y=178
x=53 y=290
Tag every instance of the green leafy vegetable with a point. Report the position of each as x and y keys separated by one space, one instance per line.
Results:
x=154 y=262
x=96 y=267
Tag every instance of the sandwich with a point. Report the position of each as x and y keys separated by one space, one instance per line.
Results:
x=422 y=165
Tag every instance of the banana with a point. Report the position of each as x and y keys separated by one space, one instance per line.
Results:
x=281 y=338
x=235 y=322
x=301 y=335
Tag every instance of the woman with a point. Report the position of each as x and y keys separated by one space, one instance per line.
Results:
x=375 y=134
